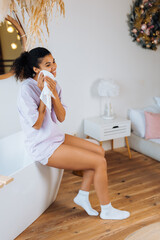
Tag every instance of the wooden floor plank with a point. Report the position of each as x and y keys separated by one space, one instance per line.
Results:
x=133 y=186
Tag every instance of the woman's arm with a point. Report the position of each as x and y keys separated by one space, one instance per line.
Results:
x=58 y=108
x=57 y=105
x=42 y=111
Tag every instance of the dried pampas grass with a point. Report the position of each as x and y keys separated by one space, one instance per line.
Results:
x=39 y=12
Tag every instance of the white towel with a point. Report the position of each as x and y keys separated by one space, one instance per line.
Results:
x=46 y=93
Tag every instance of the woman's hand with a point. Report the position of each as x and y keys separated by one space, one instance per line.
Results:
x=51 y=85
x=40 y=81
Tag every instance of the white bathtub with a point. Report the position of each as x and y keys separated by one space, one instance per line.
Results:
x=31 y=192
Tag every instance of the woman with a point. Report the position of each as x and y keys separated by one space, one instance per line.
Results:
x=46 y=143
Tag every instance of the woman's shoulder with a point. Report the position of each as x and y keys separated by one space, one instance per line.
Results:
x=28 y=84
x=28 y=87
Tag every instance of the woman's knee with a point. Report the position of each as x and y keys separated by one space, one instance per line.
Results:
x=101 y=163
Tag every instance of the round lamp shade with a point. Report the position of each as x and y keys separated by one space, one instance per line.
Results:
x=108 y=88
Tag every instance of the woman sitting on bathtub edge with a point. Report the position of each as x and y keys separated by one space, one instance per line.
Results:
x=46 y=143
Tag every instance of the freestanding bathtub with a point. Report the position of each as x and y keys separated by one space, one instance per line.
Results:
x=31 y=192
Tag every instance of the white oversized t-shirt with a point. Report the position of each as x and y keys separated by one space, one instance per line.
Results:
x=40 y=144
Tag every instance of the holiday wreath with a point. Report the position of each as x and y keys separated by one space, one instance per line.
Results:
x=144 y=23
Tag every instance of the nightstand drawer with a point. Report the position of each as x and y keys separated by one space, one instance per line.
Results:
x=115 y=131
x=103 y=130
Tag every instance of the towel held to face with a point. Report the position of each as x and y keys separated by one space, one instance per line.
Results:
x=46 y=93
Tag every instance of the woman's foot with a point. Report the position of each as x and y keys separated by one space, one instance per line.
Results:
x=109 y=212
x=82 y=199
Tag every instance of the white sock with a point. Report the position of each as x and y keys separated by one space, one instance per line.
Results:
x=109 y=212
x=82 y=199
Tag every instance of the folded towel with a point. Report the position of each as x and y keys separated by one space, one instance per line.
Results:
x=46 y=93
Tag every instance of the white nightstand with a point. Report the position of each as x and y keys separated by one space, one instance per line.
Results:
x=103 y=130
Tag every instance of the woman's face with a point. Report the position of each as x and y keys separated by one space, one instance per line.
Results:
x=48 y=63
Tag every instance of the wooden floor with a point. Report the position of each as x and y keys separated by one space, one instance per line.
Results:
x=134 y=185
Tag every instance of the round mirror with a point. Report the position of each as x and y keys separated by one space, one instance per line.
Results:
x=12 y=43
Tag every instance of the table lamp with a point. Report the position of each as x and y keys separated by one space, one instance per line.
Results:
x=108 y=89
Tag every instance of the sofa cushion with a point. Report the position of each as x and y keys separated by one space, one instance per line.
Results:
x=138 y=119
x=152 y=125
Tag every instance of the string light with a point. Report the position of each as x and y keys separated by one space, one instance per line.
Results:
x=13 y=46
x=10 y=29
x=9 y=23
x=18 y=37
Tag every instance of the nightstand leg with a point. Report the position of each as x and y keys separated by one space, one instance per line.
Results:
x=112 y=144
x=129 y=152
x=87 y=136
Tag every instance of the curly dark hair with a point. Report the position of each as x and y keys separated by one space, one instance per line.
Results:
x=23 y=65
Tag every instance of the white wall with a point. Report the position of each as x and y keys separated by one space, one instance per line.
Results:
x=90 y=43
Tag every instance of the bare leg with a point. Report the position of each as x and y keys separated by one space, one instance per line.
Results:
x=75 y=158
x=82 y=143
x=87 y=180
x=88 y=175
